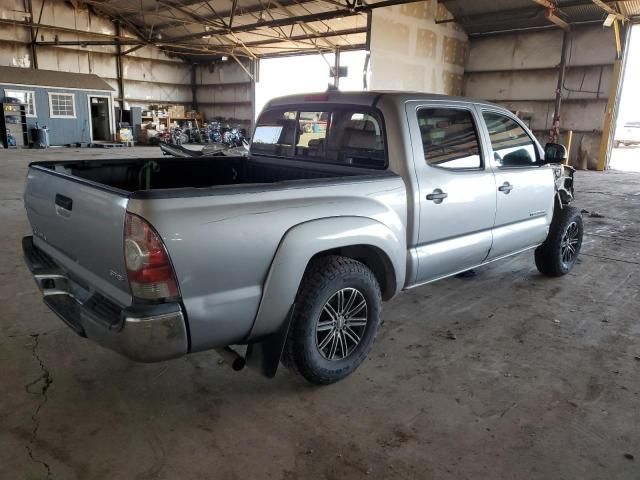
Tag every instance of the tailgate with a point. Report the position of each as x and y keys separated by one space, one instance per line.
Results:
x=81 y=226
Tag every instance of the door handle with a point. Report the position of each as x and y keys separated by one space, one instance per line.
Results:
x=505 y=188
x=437 y=196
x=64 y=202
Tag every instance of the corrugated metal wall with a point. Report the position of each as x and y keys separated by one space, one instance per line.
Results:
x=225 y=91
x=151 y=77
x=520 y=71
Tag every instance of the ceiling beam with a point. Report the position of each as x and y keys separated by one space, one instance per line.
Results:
x=283 y=22
x=183 y=3
x=298 y=38
x=609 y=10
x=313 y=51
x=496 y=18
x=227 y=14
x=87 y=43
x=556 y=20
x=502 y=17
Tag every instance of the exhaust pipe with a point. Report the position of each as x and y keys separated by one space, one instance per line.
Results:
x=232 y=357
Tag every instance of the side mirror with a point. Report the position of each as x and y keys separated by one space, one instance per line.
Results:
x=555 y=153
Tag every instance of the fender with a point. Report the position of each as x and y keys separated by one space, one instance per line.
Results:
x=305 y=240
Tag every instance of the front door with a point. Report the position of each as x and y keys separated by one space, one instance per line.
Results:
x=457 y=189
x=525 y=186
x=99 y=118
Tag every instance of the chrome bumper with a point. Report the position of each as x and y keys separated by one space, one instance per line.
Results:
x=144 y=333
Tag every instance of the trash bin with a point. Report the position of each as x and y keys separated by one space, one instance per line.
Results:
x=40 y=137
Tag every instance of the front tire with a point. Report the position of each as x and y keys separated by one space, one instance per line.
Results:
x=559 y=252
x=335 y=320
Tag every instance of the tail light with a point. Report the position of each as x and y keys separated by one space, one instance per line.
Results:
x=149 y=270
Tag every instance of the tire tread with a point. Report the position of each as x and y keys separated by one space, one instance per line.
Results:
x=547 y=255
x=321 y=272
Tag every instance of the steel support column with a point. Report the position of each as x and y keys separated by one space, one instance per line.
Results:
x=612 y=102
x=119 y=67
x=32 y=29
x=194 y=86
x=555 y=129
x=336 y=69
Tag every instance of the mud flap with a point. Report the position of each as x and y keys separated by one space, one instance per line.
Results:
x=264 y=357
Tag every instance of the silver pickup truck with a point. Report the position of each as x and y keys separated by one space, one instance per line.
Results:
x=345 y=200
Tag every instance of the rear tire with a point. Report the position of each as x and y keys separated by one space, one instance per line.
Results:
x=559 y=252
x=335 y=321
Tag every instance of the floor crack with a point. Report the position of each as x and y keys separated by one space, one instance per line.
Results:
x=44 y=381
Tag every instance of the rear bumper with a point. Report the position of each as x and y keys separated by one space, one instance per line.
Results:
x=144 y=333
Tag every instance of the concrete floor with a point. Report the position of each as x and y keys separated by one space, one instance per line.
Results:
x=505 y=375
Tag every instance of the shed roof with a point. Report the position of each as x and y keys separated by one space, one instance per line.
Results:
x=52 y=78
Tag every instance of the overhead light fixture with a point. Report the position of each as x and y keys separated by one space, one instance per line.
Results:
x=224 y=58
x=609 y=20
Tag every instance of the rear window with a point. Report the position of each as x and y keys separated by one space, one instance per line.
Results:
x=343 y=136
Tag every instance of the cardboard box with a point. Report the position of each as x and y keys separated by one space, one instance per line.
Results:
x=176 y=111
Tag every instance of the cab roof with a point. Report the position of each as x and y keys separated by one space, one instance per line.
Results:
x=369 y=98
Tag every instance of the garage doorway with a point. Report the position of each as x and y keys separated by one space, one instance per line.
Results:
x=307 y=74
x=100 y=116
x=626 y=141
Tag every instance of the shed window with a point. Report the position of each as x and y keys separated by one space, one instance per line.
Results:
x=62 y=105
x=23 y=96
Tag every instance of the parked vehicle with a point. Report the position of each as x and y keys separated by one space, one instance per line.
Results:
x=627 y=134
x=234 y=137
x=292 y=250
x=173 y=136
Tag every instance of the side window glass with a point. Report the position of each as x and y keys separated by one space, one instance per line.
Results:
x=312 y=128
x=356 y=138
x=449 y=138
x=275 y=133
x=339 y=136
x=511 y=145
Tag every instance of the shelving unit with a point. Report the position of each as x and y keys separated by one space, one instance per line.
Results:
x=156 y=119
x=13 y=119
x=169 y=119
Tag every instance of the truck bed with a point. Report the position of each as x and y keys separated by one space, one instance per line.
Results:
x=217 y=214
x=131 y=175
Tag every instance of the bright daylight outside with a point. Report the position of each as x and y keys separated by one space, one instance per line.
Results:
x=626 y=151
x=306 y=74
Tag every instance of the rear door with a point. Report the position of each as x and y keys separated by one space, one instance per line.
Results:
x=457 y=188
x=80 y=225
x=525 y=187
